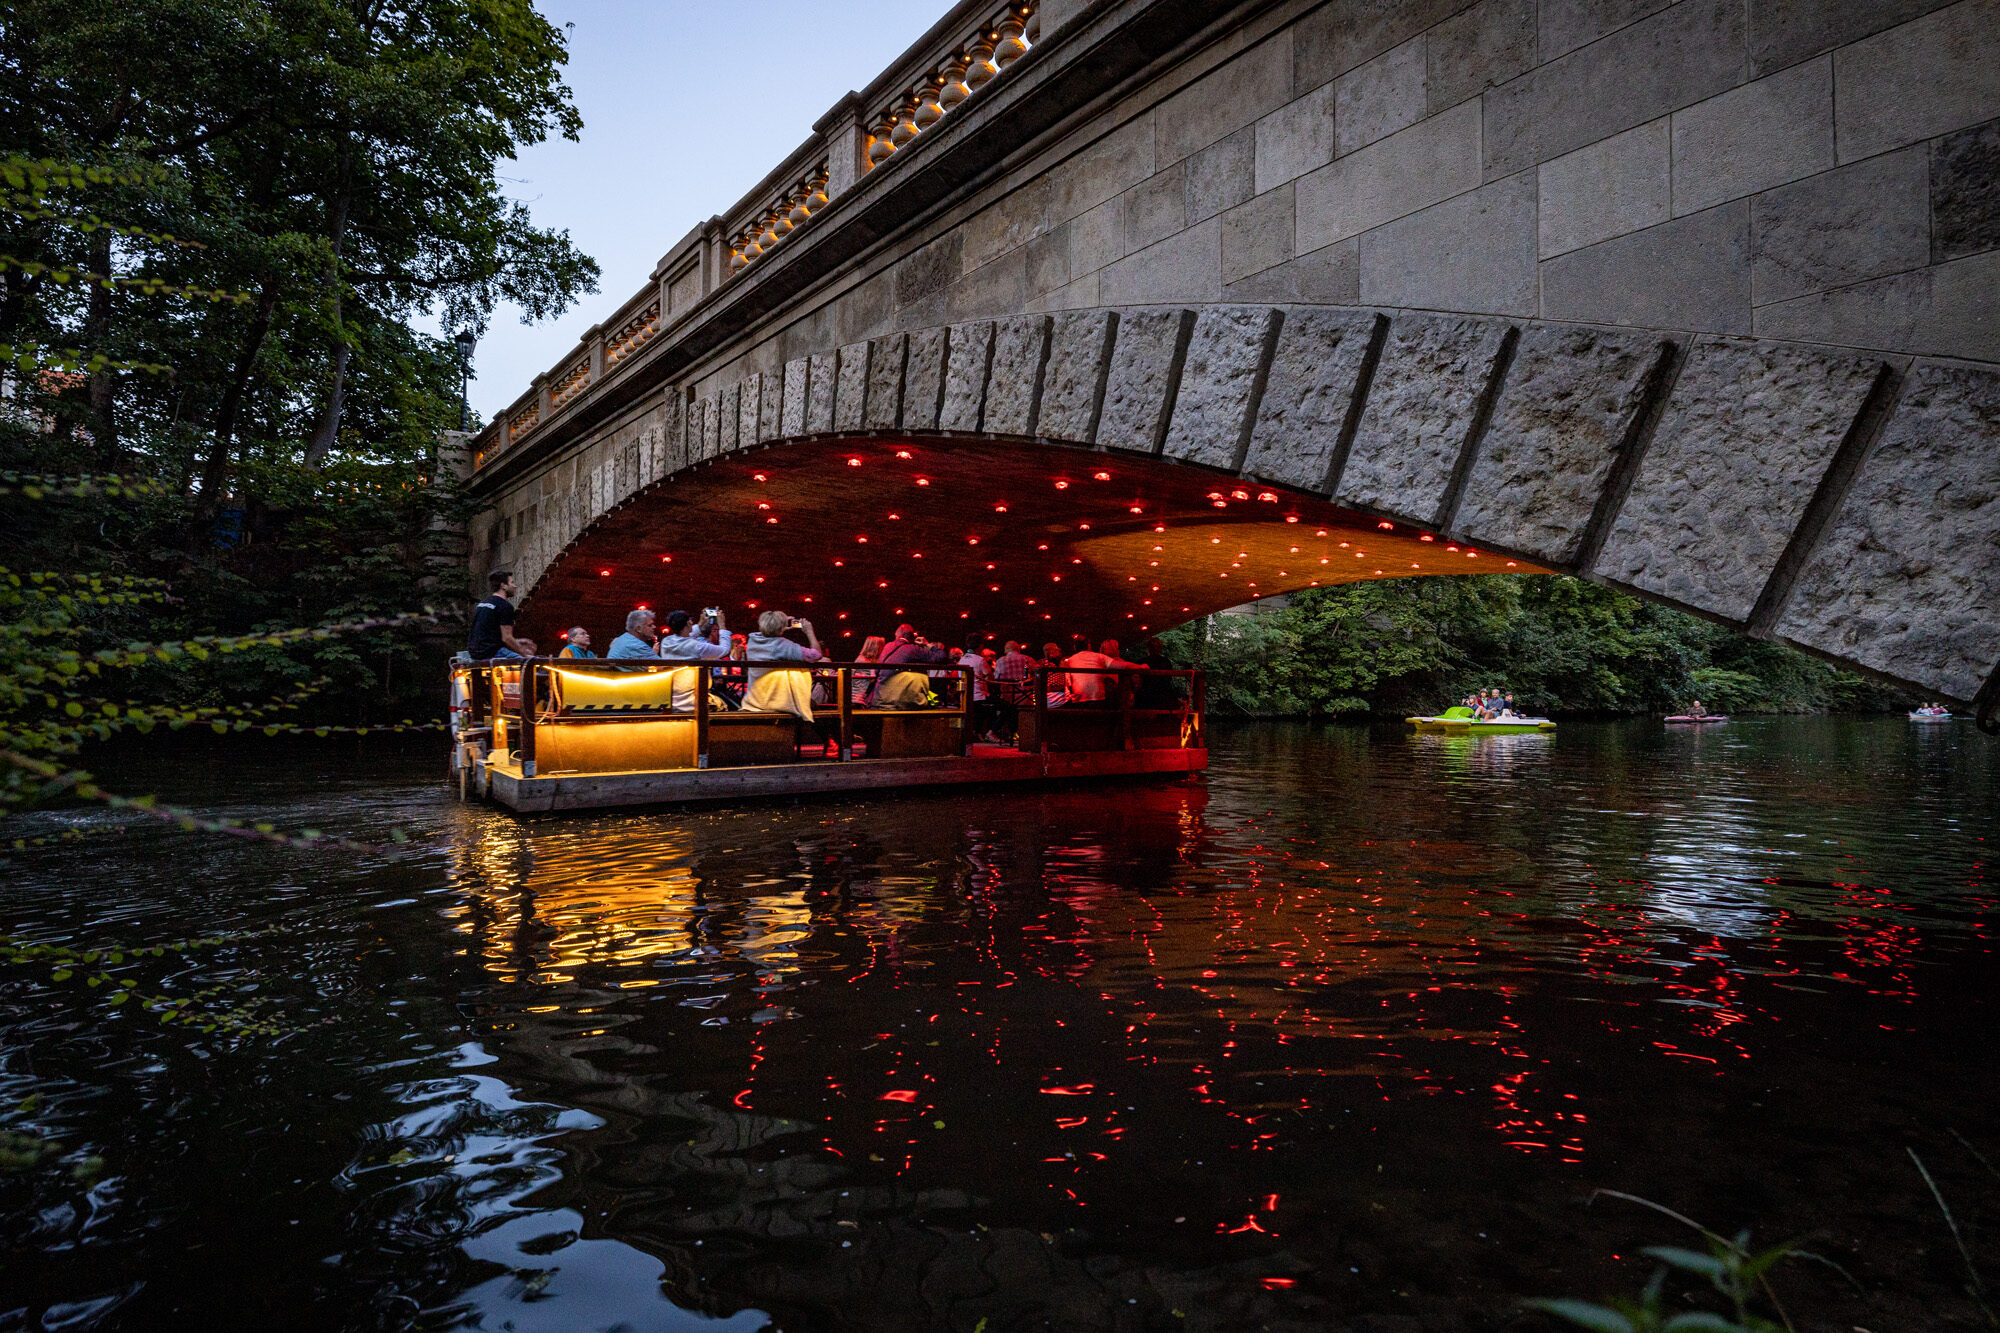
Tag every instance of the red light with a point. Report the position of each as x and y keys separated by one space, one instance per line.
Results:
x=1222 y=504
x=1083 y=527
x=1291 y=518
x=1386 y=526
x=758 y=579
x=861 y=539
x=565 y=633
x=1062 y=485
x=923 y=481
x=751 y=605
x=642 y=607
x=965 y=615
x=1031 y=601
x=1043 y=547
x=604 y=573
x=666 y=560
x=840 y=564
x=902 y=453
x=1161 y=527
x=993 y=587
x=854 y=462
x=763 y=504
x=847 y=634
x=895 y=516
x=1239 y=495
x=758 y=476
x=841 y=616
x=1056 y=577
x=999 y=509
x=772 y=519
x=972 y=541
x=989 y=566
x=1102 y=476
x=882 y=584
x=1426 y=538
x=916 y=555
x=1269 y=497
x=1510 y=564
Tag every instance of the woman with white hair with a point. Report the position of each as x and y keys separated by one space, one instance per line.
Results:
x=782 y=689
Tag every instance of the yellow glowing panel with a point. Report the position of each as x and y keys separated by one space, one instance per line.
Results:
x=649 y=689
x=633 y=746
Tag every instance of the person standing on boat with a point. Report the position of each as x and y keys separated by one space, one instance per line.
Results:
x=636 y=643
x=492 y=632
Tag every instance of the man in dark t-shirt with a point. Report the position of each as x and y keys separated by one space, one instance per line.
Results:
x=492 y=633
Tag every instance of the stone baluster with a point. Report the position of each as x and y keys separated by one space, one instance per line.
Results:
x=817 y=192
x=954 y=90
x=981 y=67
x=929 y=111
x=881 y=138
x=906 y=119
x=1013 y=31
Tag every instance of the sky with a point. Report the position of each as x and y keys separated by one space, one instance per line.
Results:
x=685 y=107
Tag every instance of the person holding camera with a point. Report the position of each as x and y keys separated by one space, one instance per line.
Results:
x=688 y=640
x=783 y=689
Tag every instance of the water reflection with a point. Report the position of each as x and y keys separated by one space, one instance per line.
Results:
x=1344 y=1031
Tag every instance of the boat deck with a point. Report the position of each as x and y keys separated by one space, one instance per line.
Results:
x=501 y=781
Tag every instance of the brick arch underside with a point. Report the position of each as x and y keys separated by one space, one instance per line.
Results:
x=1835 y=500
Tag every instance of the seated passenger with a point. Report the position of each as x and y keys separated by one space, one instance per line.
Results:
x=576 y=643
x=491 y=635
x=861 y=683
x=636 y=643
x=782 y=690
x=684 y=640
x=906 y=689
x=1092 y=688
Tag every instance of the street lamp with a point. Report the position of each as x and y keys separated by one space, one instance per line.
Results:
x=466 y=341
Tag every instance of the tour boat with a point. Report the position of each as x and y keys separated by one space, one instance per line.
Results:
x=1460 y=722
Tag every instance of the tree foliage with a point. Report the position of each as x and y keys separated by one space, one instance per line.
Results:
x=1558 y=644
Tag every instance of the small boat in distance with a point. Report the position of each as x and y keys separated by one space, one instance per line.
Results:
x=1460 y=722
x=1931 y=715
x=1679 y=719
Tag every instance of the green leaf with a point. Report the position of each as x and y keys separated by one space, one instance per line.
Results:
x=1598 y=1318
x=1689 y=1261
x=1701 y=1321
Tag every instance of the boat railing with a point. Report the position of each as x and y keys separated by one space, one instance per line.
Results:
x=550 y=715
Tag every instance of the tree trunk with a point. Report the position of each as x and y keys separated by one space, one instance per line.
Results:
x=215 y=471
x=326 y=433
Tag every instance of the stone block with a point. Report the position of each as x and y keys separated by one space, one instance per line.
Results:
x=850 y=398
x=1841 y=227
x=727 y=440
x=1296 y=138
x=1570 y=395
x=1482 y=48
x=1307 y=394
x=1692 y=273
x=998 y=288
x=1667 y=60
x=1186 y=267
x=792 y=413
x=1902 y=582
x=1080 y=294
x=1568 y=24
x=697 y=434
x=1946 y=310
x=970 y=356
x=923 y=380
x=1225 y=99
x=822 y=378
x=1374 y=100
x=885 y=381
x=1048 y=261
x=1073 y=385
x=1096 y=238
x=1139 y=385
x=1008 y=223
x=1748 y=433
x=1014 y=386
x=749 y=406
x=1336 y=37
x=1102 y=170
x=1156 y=208
x=1328 y=276
x=1965 y=192
x=771 y=407
x=930 y=270
x=1425 y=164
x=1472 y=253
x=1614 y=186
x=1784 y=32
x=1752 y=138
x=1223 y=174
x=1419 y=411
x=673 y=434
x=1257 y=235
x=1927 y=77
x=1212 y=411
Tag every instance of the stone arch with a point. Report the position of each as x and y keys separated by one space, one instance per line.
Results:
x=1843 y=502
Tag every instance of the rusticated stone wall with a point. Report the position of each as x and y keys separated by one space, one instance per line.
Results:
x=1849 y=504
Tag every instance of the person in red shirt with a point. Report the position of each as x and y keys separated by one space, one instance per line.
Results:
x=1087 y=688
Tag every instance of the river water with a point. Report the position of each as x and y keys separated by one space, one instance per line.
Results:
x=1343 y=1036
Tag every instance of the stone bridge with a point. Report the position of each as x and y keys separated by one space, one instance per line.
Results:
x=1098 y=316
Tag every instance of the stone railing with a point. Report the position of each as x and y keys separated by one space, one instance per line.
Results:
x=524 y=421
x=570 y=383
x=633 y=334
x=933 y=96
x=779 y=219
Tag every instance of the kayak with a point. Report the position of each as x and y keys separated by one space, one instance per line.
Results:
x=1461 y=722
x=1689 y=717
x=1930 y=717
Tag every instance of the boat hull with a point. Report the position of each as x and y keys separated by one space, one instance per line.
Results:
x=1466 y=726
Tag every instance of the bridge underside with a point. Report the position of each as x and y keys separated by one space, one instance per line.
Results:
x=971 y=540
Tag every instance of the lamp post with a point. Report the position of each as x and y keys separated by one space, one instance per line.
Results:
x=466 y=341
